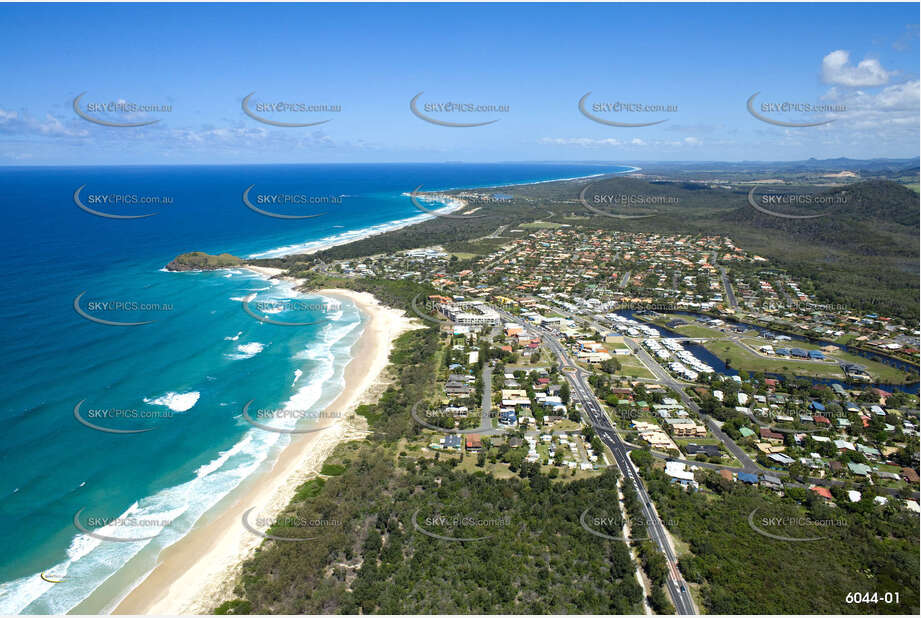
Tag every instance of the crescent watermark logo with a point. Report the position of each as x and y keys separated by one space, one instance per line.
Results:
x=442 y=537
x=779 y=123
x=602 y=535
x=102 y=537
x=246 y=301
x=444 y=123
x=249 y=419
x=413 y=197
x=249 y=204
x=767 y=211
x=87 y=316
x=781 y=521
x=52 y=579
x=83 y=206
x=414 y=412
x=250 y=528
x=107 y=123
x=611 y=123
x=275 y=123
x=599 y=426
x=428 y=318
x=607 y=214
x=786 y=430
x=79 y=418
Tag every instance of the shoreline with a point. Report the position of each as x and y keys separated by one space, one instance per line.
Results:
x=199 y=571
x=332 y=241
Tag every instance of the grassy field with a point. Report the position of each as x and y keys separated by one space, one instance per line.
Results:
x=695 y=330
x=498 y=469
x=880 y=372
x=688 y=330
x=740 y=358
x=562 y=425
x=846 y=338
x=633 y=368
x=540 y=225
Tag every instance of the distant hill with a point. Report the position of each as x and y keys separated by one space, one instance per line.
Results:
x=863 y=254
x=866 y=168
x=865 y=206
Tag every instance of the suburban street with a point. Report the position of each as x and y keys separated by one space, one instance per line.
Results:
x=583 y=394
x=664 y=377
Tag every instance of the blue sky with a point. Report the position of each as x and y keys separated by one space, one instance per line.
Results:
x=537 y=59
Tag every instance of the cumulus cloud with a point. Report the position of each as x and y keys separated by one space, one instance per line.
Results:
x=21 y=124
x=895 y=106
x=868 y=72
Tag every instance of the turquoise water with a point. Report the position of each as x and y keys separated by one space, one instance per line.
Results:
x=189 y=371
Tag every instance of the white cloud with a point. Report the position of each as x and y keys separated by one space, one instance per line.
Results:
x=895 y=107
x=868 y=72
x=591 y=142
x=14 y=123
x=581 y=141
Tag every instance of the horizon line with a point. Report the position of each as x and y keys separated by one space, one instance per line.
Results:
x=498 y=162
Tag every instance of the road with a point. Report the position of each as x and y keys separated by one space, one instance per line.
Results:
x=730 y=295
x=781 y=286
x=506 y=256
x=582 y=392
x=664 y=377
x=625 y=279
x=486 y=403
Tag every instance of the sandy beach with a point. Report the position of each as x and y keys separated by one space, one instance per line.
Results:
x=269 y=272
x=199 y=572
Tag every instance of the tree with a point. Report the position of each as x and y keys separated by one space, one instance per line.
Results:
x=565 y=393
x=642 y=458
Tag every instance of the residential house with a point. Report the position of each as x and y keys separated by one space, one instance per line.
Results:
x=771 y=436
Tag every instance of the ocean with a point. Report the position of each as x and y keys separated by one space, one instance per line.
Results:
x=179 y=381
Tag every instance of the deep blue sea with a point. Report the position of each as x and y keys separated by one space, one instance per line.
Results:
x=185 y=375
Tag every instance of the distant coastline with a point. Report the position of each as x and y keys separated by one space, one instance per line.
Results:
x=345 y=238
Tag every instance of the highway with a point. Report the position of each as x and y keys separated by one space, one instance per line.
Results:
x=486 y=403
x=730 y=295
x=665 y=378
x=582 y=392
